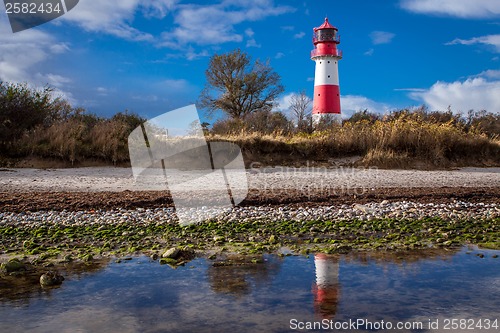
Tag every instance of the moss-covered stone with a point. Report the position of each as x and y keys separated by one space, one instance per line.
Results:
x=168 y=261
x=248 y=236
x=13 y=265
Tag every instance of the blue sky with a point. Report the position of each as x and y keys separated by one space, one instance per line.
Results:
x=150 y=56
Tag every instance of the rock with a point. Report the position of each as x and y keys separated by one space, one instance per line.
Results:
x=87 y=258
x=342 y=249
x=219 y=239
x=187 y=253
x=13 y=265
x=364 y=209
x=154 y=256
x=172 y=253
x=50 y=279
x=272 y=239
x=168 y=261
x=68 y=258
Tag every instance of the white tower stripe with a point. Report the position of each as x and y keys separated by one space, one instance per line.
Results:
x=326 y=71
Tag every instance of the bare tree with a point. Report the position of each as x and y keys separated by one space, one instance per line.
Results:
x=239 y=87
x=300 y=109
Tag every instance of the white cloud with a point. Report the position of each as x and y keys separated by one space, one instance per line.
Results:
x=176 y=85
x=110 y=17
x=251 y=42
x=249 y=32
x=353 y=103
x=53 y=80
x=490 y=74
x=284 y=102
x=158 y=8
x=191 y=54
x=279 y=55
x=193 y=23
x=66 y=95
x=381 y=37
x=102 y=91
x=113 y=17
x=491 y=40
x=20 y=52
x=457 y=8
x=410 y=89
x=476 y=93
x=145 y=98
x=369 y=52
x=215 y=24
x=23 y=52
x=59 y=48
x=349 y=105
x=299 y=35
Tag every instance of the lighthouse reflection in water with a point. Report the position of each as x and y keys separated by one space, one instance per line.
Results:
x=326 y=290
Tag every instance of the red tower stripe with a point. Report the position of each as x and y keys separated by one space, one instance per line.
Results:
x=326 y=99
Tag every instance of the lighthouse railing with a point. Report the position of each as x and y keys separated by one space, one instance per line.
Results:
x=317 y=38
x=332 y=52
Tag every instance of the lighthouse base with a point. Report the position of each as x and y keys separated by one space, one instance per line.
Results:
x=326 y=118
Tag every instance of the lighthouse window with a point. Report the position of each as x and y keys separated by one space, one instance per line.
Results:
x=328 y=61
x=319 y=94
x=320 y=62
x=328 y=76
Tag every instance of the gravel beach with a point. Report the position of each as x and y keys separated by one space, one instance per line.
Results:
x=80 y=189
x=121 y=179
x=103 y=211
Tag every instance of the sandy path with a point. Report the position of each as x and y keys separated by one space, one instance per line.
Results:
x=120 y=179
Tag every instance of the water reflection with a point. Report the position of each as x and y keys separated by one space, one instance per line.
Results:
x=21 y=288
x=263 y=294
x=401 y=258
x=236 y=274
x=326 y=289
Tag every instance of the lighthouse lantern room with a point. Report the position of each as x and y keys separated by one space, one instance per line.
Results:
x=326 y=102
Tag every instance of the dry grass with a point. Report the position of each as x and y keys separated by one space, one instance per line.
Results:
x=35 y=126
x=79 y=139
x=401 y=142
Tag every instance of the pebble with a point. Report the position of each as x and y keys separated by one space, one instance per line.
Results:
x=364 y=212
x=172 y=253
x=50 y=279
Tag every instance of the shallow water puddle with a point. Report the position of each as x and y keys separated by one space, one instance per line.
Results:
x=278 y=295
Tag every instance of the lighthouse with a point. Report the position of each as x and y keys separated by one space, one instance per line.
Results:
x=326 y=102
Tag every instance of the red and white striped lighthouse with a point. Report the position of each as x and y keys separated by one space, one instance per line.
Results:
x=326 y=102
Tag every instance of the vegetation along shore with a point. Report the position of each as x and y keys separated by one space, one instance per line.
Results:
x=63 y=136
x=384 y=219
